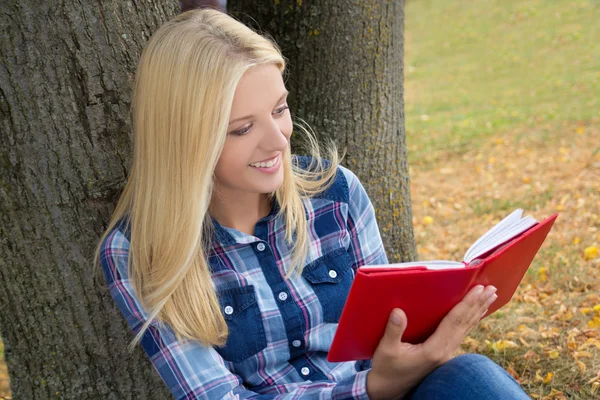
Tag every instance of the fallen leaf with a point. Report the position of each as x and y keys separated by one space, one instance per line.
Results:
x=590 y=253
x=524 y=342
x=504 y=344
x=581 y=366
x=595 y=323
x=583 y=354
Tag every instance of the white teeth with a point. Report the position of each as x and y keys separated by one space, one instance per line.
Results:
x=268 y=164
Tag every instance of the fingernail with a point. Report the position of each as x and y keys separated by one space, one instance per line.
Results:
x=396 y=318
x=492 y=298
x=478 y=290
x=483 y=313
x=491 y=291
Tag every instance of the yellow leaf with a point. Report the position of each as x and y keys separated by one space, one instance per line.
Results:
x=524 y=342
x=548 y=377
x=590 y=252
x=595 y=379
x=470 y=342
x=589 y=343
x=583 y=354
x=580 y=129
x=576 y=240
x=538 y=377
x=585 y=310
x=428 y=220
x=581 y=366
x=526 y=179
x=595 y=323
x=595 y=387
x=555 y=395
x=597 y=308
x=553 y=354
x=504 y=344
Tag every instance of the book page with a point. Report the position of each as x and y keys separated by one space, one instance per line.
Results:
x=429 y=264
x=509 y=227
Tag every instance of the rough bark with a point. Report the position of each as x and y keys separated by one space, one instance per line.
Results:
x=64 y=153
x=346 y=80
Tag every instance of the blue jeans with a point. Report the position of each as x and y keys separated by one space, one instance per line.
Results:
x=468 y=377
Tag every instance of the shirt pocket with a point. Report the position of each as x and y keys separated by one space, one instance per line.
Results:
x=246 y=330
x=331 y=277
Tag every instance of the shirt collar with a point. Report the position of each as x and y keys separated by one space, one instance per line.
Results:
x=224 y=235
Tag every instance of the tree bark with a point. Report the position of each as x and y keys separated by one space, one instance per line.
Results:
x=65 y=149
x=346 y=74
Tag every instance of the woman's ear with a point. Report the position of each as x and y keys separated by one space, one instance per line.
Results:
x=186 y=5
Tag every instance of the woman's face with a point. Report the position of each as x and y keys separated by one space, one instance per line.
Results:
x=259 y=130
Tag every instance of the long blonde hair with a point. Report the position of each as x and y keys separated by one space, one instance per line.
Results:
x=183 y=92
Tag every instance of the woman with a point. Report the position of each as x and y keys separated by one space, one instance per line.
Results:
x=231 y=258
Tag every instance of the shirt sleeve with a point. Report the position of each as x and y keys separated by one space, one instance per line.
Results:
x=366 y=246
x=190 y=369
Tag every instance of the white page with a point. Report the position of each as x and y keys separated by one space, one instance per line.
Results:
x=429 y=264
x=509 y=227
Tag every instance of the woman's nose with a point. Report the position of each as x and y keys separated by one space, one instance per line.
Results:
x=276 y=138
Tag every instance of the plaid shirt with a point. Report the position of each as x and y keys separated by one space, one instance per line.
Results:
x=279 y=330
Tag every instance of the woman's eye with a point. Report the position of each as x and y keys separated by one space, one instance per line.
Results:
x=242 y=132
x=281 y=110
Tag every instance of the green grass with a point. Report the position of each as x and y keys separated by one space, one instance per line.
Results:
x=502 y=206
x=474 y=69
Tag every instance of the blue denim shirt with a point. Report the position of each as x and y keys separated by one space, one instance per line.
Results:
x=280 y=330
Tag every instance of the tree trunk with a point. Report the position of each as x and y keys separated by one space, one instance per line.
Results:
x=65 y=86
x=65 y=149
x=346 y=80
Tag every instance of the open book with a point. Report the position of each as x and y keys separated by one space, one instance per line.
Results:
x=427 y=290
x=505 y=230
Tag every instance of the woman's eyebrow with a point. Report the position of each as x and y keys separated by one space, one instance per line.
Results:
x=250 y=116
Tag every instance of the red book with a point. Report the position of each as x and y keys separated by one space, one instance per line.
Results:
x=427 y=290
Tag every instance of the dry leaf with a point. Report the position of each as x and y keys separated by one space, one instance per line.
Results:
x=590 y=253
x=581 y=366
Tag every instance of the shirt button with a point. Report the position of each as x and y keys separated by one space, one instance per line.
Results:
x=332 y=273
x=305 y=371
x=282 y=296
x=296 y=343
x=261 y=246
x=228 y=310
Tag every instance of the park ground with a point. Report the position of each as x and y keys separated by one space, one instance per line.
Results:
x=502 y=112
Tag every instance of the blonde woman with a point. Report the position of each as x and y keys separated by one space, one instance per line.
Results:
x=231 y=258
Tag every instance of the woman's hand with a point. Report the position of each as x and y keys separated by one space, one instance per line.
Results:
x=398 y=367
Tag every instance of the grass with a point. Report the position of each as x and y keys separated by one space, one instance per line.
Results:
x=474 y=69
x=502 y=112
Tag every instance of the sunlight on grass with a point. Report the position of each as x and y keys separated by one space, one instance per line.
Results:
x=502 y=112
x=475 y=68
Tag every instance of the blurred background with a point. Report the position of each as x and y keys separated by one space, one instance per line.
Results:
x=502 y=112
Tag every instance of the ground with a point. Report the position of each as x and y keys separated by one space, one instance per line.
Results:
x=502 y=113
